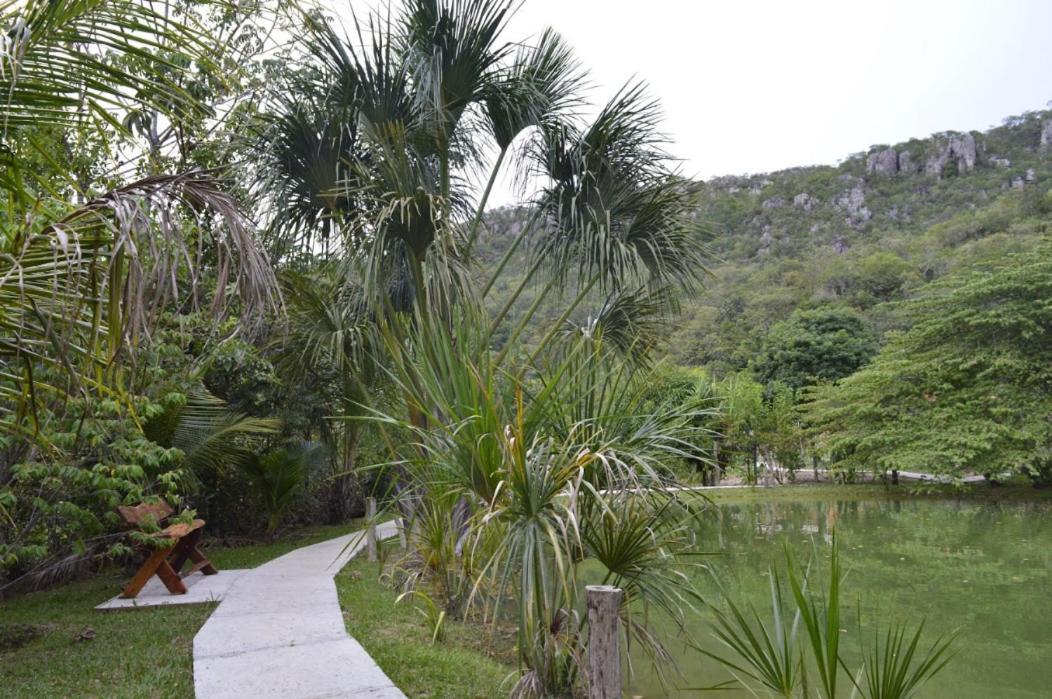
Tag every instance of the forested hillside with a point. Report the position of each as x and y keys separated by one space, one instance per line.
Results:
x=848 y=238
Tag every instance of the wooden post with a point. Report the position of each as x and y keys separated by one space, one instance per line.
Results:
x=604 y=649
x=715 y=462
x=400 y=524
x=370 y=531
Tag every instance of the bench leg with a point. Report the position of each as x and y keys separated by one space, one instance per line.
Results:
x=187 y=549
x=171 y=579
x=157 y=564
x=181 y=551
x=198 y=557
x=145 y=572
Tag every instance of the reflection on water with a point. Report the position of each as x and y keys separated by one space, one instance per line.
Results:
x=981 y=568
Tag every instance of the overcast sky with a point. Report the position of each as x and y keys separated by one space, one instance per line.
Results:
x=758 y=85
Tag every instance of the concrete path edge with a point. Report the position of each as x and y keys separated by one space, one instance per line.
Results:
x=279 y=632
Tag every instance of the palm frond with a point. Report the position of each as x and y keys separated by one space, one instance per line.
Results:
x=279 y=476
x=632 y=321
x=615 y=212
x=58 y=62
x=766 y=652
x=452 y=47
x=893 y=667
x=212 y=436
x=77 y=291
x=541 y=87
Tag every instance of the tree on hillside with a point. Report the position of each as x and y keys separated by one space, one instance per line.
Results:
x=968 y=389
x=814 y=346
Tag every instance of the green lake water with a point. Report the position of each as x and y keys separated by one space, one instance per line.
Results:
x=980 y=568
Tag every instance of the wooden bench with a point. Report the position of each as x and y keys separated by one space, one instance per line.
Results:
x=166 y=562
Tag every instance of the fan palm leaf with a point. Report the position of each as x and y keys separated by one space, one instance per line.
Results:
x=614 y=212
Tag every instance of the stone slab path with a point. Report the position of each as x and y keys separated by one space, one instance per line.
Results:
x=279 y=632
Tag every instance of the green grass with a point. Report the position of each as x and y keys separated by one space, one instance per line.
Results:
x=141 y=653
x=135 y=653
x=825 y=491
x=461 y=666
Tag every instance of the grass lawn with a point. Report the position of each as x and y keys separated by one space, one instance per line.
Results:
x=824 y=491
x=136 y=653
x=469 y=663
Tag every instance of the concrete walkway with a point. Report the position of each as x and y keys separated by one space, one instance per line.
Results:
x=279 y=632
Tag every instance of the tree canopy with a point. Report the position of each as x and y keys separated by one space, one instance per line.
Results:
x=824 y=344
x=967 y=389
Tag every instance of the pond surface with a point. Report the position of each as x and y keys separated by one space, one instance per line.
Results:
x=981 y=568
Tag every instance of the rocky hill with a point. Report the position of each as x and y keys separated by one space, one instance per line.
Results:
x=862 y=234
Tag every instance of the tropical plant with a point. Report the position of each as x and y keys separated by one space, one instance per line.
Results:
x=209 y=434
x=434 y=616
x=86 y=269
x=278 y=476
x=98 y=247
x=769 y=652
x=327 y=332
x=63 y=61
x=892 y=667
x=797 y=651
x=519 y=467
x=523 y=485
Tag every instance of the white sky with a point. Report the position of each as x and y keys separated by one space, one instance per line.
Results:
x=761 y=85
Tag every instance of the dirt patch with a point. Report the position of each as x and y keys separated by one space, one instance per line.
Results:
x=17 y=635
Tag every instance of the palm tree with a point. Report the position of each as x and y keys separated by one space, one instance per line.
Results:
x=520 y=467
x=328 y=334
x=376 y=157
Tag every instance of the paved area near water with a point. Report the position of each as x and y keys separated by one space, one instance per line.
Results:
x=279 y=632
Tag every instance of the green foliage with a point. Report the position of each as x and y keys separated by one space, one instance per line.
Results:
x=434 y=616
x=60 y=502
x=781 y=435
x=892 y=668
x=278 y=476
x=815 y=346
x=768 y=651
x=965 y=390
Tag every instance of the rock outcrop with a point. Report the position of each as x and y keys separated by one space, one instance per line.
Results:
x=907 y=165
x=773 y=203
x=805 y=201
x=852 y=202
x=961 y=150
x=1046 y=134
x=883 y=162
